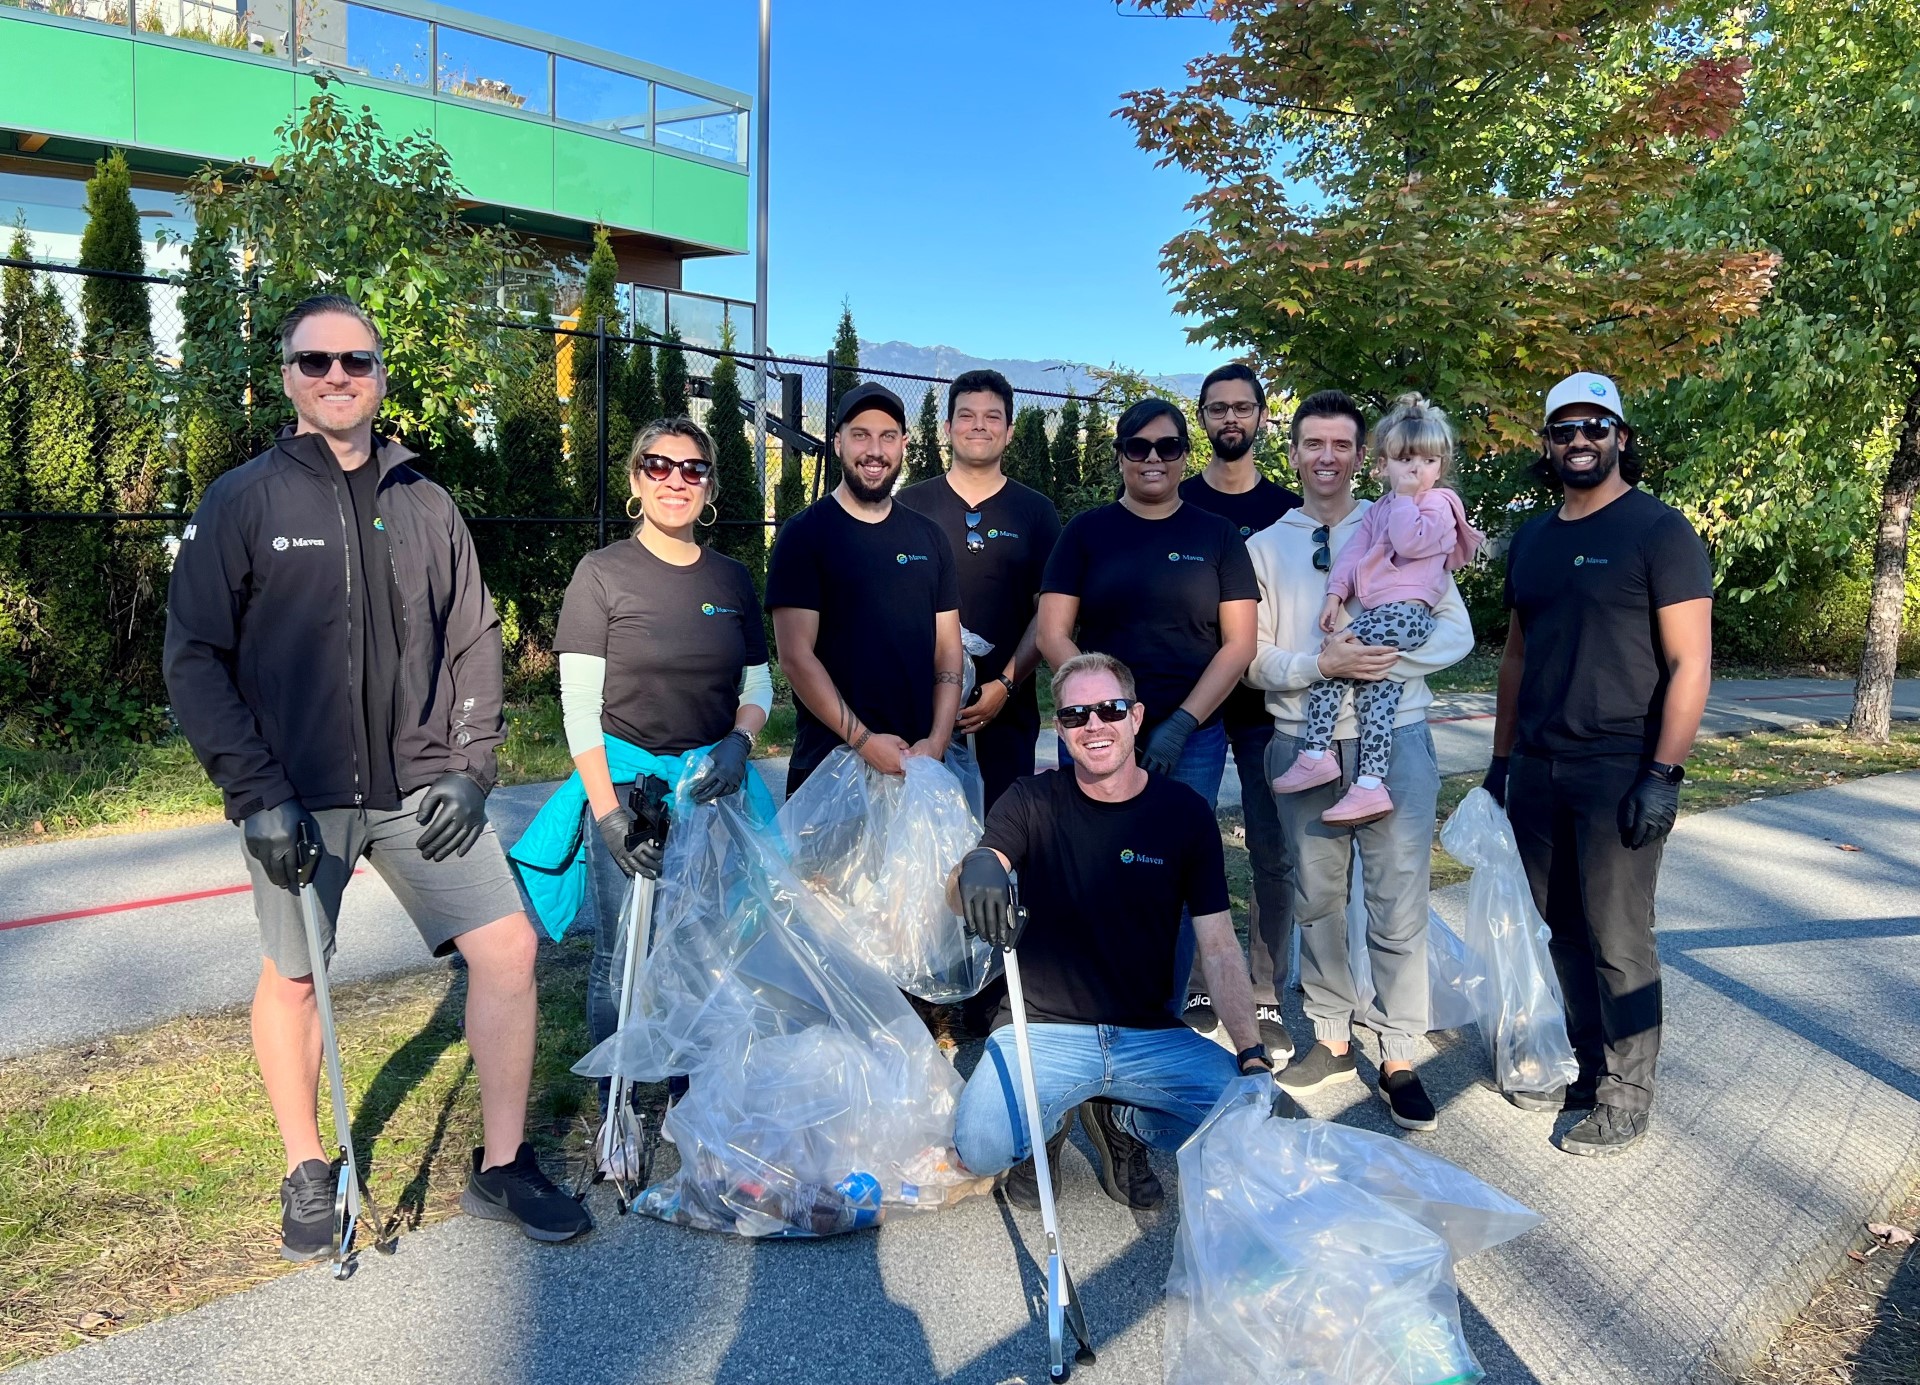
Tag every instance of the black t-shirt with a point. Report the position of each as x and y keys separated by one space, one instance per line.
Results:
x=1586 y=592
x=1000 y=570
x=877 y=588
x=1150 y=593
x=1103 y=885
x=675 y=639
x=1249 y=512
x=376 y=626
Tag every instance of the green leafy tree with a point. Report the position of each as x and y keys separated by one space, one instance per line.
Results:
x=675 y=394
x=1096 y=476
x=16 y=305
x=1030 y=454
x=639 y=391
x=1449 y=198
x=1064 y=473
x=741 y=499
x=843 y=366
x=215 y=431
x=115 y=314
x=1806 y=435
x=529 y=570
x=599 y=310
x=790 y=492
x=924 y=461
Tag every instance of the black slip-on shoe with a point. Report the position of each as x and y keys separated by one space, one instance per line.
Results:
x=306 y=1211
x=1124 y=1171
x=1609 y=1130
x=1200 y=1015
x=1577 y=1097
x=1318 y=1069
x=1273 y=1033
x=1021 y=1183
x=521 y=1194
x=1407 y=1100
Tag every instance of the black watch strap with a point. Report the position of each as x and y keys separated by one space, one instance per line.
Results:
x=1672 y=774
x=1247 y=1055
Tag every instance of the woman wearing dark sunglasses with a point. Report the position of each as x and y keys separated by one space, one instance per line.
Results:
x=1166 y=588
x=663 y=662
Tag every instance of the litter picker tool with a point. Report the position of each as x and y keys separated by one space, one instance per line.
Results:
x=1063 y=1300
x=351 y=1201
x=627 y=1138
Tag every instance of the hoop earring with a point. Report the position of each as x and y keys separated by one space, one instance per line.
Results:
x=632 y=500
x=709 y=523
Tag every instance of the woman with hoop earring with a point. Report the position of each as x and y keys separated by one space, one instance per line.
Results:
x=663 y=662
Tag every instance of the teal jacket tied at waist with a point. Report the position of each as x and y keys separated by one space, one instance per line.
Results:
x=551 y=856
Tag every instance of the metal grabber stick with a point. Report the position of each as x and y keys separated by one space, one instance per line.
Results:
x=350 y=1196
x=1063 y=1300
x=626 y=1144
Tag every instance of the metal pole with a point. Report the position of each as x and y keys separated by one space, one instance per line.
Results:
x=760 y=146
x=600 y=418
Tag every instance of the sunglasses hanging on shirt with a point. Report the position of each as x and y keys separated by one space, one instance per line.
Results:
x=316 y=365
x=658 y=468
x=1112 y=710
x=1323 y=555
x=976 y=541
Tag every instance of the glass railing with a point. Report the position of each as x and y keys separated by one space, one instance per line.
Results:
x=477 y=60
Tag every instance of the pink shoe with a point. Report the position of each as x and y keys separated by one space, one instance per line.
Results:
x=1308 y=773
x=1358 y=805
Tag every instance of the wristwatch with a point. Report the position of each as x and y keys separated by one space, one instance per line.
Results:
x=1668 y=774
x=1248 y=1055
x=1002 y=678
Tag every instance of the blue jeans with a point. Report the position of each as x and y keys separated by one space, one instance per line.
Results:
x=1166 y=1080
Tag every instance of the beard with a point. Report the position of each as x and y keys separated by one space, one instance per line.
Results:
x=1606 y=459
x=1232 y=451
x=861 y=491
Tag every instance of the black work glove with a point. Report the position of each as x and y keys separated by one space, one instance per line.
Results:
x=272 y=836
x=452 y=815
x=648 y=857
x=1496 y=781
x=986 y=900
x=729 y=768
x=615 y=828
x=1163 y=748
x=1648 y=811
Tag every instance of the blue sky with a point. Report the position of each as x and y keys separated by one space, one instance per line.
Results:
x=952 y=170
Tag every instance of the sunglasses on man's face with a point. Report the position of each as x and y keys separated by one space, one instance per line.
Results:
x=316 y=365
x=1593 y=429
x=1112 y=710
x=1139 y=449
x=656 y=467
x=1323 y=555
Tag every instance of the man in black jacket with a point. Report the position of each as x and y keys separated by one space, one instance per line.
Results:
x=333 y=656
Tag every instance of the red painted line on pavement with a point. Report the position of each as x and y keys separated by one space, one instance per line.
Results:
x=131 y=904
x=1464 y=716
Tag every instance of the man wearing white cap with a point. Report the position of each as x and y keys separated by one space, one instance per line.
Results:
x=1606 y=671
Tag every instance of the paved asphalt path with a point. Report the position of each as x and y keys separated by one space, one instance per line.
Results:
x=1789 y=1114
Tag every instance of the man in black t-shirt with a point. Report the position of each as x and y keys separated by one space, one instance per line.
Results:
x=1107 y=856
x=1605 y=675
x=1233 y=410
x=1001 y=533
x=866 y=606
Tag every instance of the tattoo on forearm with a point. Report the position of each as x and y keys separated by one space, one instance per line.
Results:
x=844 y=718
x=945 y=677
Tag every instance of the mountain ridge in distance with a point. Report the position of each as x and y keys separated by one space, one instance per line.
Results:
x=945 y=362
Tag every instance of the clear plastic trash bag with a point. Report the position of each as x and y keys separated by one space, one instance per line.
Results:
x=1455 y=978
x=1310 y=1253
x=817 y=1101
x=876 y=849
x=1523 y=1018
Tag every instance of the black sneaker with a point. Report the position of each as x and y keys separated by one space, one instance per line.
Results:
x=1319 y=1068
x=1578 y=1097
x=1273 y=1032
x=306 y=1212
x=521 y=1194
x=1199 y=1014
x=1412 y=1108
x=1609 y=1130
x=1022 y=1181
x=1124 y=1172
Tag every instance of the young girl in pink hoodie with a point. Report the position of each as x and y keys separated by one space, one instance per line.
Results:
x=1397 y=563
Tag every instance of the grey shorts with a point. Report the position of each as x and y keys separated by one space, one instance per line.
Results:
x=443 y=898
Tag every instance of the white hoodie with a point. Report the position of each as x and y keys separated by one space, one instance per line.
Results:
x=1286 y=661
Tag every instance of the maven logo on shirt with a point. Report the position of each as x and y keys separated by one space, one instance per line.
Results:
x=1584 y=561
x=1185 y=558
x=1140 y=858
x=282 y=544
x=709 y=609
x=904 y=558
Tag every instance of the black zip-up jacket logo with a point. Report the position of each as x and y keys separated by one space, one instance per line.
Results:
x=260 y=638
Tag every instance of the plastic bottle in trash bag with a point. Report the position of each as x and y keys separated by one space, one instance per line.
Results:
x=849 y=1205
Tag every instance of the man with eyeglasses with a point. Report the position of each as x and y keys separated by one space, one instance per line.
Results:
x=1602 y=685
x=1292 y=559
x=333 y=657
x=1001 y=533
x=866 y=606
x=1107 y=857
x=1233 y=410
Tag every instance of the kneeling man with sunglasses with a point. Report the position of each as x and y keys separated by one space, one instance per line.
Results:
x=334 y=659
x=1107 y=855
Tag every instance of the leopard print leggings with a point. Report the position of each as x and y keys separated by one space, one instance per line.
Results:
x=1402 y=624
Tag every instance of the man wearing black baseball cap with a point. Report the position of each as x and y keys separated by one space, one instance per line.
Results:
x=866 y=606
x=1605 y=675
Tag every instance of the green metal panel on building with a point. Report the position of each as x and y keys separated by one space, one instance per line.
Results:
x=66 y=82
x=206 y=104
x=499 y=160
x=695 y=201
x=399 y=115
x=604 y=180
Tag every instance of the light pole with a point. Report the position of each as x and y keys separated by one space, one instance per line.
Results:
x=760 y=146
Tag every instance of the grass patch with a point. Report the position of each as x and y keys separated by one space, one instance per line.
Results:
x=139 y=1175
x=1478 y=672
